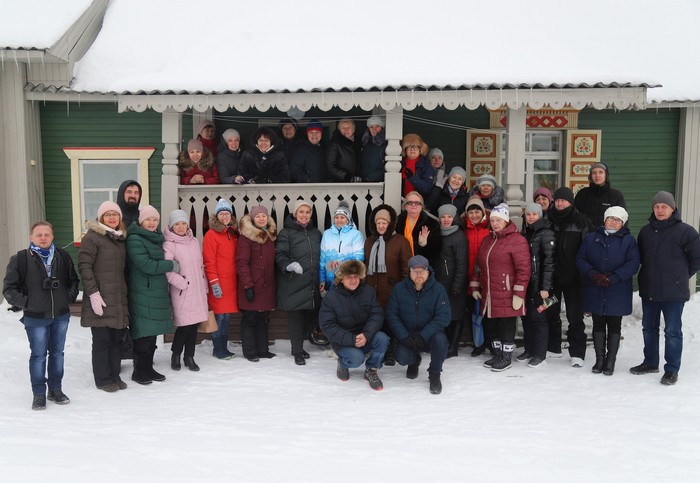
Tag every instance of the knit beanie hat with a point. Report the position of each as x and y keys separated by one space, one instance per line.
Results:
x=564 y=193
x=436 y=152
x=663 y=197
x=486 y=179
x=616 y=212
x=177 y=215
x=597 y=165
x=204 y=123
x=230 y=133
x=108 y=206
x=343 y=209
x=382 y=215
x=146 y=212
x=289 y=120
x=544 y=192
x=501 y=211
x=375 y=121
x=533 y=208
x=223 y=205
x=298 y=204
x=256 y=210
x=195 y=145
x=418 y=261
x=447 y=209
x=460 y=171
x=475 y=202
x=314 y=125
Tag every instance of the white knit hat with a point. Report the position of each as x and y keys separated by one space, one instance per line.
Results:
x=616 y=212
x=501 y=211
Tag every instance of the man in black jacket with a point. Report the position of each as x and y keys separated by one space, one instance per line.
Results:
x=670 y=255
x=598 y=196
x=570 y=228
x=352 y=318
x=129 y=199
x=41 y=281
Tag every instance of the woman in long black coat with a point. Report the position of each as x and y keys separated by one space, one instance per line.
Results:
x=451 y=271
x=264 y=161
x=297 y=259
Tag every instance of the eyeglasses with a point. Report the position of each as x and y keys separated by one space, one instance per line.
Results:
x=413 y=203
x=412 y=146
x=614 y=220
x=111 y=214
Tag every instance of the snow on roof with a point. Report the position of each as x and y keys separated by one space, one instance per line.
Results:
x=39 y=24
x=216 y=46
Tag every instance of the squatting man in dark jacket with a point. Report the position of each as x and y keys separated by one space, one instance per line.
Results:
x=41 y=281
x=351 y=318
x=418 y=312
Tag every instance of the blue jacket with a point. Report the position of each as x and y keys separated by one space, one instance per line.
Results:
x=346 y=243
x=617 y=255
x=670 y=254
x=345 y=314
x=411 y=312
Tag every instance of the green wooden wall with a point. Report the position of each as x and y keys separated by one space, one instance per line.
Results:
x=87 y=125
x=641 y=151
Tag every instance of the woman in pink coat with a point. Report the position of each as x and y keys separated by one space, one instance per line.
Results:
x=501 y=277
x=188 y=287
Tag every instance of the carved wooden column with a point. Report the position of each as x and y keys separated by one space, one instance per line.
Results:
x=170 y=179
x=392 y=177
x=515 y=161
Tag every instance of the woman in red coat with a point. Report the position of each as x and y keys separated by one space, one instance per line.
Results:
x=255 y=262
x=503 y=270
x=197 y=165
x=219 y=253
x=476 y=227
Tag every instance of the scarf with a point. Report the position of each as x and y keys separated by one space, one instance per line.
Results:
x=46 y=255
x=377 y=257
x=449 y=230
x=116 y=233
x=408 y=233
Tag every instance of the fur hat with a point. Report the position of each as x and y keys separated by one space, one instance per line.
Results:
x=382 y=215
x=195 y=145
x=475 y=201
x=436 y=152
x=256 y=210
x=204 y=123
x=413 y=139
x=460 y=171
x=663 y=197
x=223 y=205
x=177 y=215
x=375 y=121
x=617 y=212
x=298 y=204
x=108 y=206
x=146 y=212
x=534 y=208
x=447 y=209
x=314 y=125
x=486 y=179
x=564 y=193
x=544 y=192
x=350 y=267
x=343 y=209
x=501 y=211
x=418 y=261
x=230 y=133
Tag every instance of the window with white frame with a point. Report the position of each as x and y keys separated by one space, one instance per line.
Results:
x=96 y=174
x=543 y=161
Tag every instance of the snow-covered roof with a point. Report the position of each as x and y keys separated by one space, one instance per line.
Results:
x=216 y=46
x=39 y=24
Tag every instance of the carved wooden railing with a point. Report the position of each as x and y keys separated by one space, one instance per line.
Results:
x=200 y=200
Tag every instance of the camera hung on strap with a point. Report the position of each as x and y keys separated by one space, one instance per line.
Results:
x=50 y=283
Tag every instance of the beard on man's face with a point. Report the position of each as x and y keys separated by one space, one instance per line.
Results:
x=132 y=201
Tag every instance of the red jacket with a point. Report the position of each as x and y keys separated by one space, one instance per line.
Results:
x=475 y=235
x=206 y=167
x=219 y=252
x=503 y=271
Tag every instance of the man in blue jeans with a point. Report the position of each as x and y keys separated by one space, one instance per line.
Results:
x=670 y=255
x=41 y=281
x=418 y=312
x=351 y=318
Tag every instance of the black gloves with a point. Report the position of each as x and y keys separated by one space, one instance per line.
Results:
x=408 y=172
x=415 y=342
x=250 y=294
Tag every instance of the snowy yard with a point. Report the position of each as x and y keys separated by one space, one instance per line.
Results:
x=275 y=421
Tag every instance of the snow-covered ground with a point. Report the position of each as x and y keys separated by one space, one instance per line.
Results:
x=274 y=421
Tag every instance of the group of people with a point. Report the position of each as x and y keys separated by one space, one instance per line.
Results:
x=378 y=300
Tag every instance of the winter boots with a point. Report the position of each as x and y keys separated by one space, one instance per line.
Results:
x=140 y=375
x=435 y=383
x=390 y=354
x=372 y=377
x=504 y=362
x=497 y=354
x=191 y=364
x=613 y=346
x=175 y=362
x=599 y=346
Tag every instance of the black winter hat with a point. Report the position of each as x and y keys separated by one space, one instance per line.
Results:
x=564 y=193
